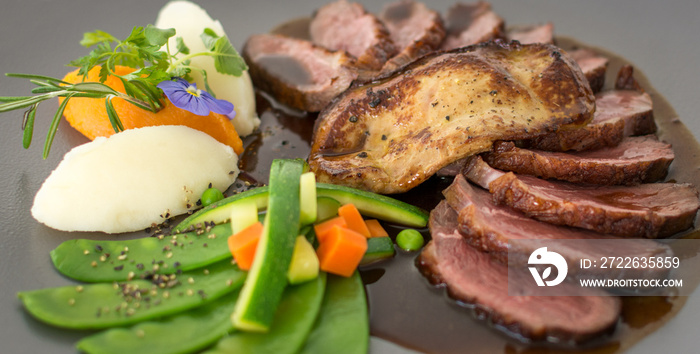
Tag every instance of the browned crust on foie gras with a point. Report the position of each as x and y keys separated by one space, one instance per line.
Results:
x=392 y=134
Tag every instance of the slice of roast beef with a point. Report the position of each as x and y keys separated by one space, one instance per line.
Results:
x=343 y=25
x=647 y=210
x=531 y=34
x=593 y=66
x=625 y=79
x=452 y=169
x=639 y=159
x=296 y=72
x=619 y=113
x=471 y=23
x=415 y=30
x=492 y=228
x=472 y=277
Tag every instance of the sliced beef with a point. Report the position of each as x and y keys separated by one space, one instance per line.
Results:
x=471 y=23
x=491 y=228
x=648 y=210
x=344 y=25
x=472 y=277
x=296 y=72
x=634 y=108
x=480 y=173
x=641 y=159
x=391 y=135
x=415 y=30
x=532 y=34
x=619 y=113
x=593 y=66
x=452 y=169
x=625 y=79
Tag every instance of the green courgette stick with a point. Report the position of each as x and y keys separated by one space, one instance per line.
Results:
x=368 y=203
x=186 y=332
x=342 y=325
x=375 y=205
x=100 y=261
x=267 y=278
x=293 y=322
x=104 y=305
x=220 y=211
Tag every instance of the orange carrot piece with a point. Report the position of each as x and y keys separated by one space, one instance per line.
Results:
x=375 y=228
x=341 y=251
x=355 y=222
x=323 y=228
x=243 y=245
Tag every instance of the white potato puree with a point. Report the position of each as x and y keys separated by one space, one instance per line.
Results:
x=189 y=21
x=131 y=180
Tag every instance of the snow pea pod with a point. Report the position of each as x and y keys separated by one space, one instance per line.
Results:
x=186 y=332
x=106 y=305
x=343 y=324
x=100 y=261
x=294 y=319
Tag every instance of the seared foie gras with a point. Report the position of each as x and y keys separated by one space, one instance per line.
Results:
x=392 y=134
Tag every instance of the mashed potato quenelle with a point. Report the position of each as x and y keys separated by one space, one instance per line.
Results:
x=189 y=21
x=133 y=179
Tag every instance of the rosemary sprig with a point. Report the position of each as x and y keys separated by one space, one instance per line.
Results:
x=49 y=88
x=146 y=50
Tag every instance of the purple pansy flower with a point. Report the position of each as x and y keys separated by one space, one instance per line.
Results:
x=185 y=95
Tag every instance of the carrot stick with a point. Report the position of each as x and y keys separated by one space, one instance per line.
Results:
x=243 y=245
x=355 y=222
x=341 y=251
x=323 y=228
x=375 y=228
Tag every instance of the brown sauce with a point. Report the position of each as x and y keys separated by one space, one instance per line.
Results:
x=404 y=307
x=286 y=68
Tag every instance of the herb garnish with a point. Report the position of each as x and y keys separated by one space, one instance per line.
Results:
x=145 y=49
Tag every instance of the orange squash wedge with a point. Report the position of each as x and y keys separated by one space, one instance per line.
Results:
x=89 y=115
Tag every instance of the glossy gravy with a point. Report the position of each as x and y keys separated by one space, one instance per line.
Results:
x=404 y=307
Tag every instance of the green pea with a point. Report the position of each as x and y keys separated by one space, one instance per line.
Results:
x=211 y=196
x=99 y=261
x=105 y=305
x=409 y=240
x=343 y=320
x=186 y=332
x=293 y=321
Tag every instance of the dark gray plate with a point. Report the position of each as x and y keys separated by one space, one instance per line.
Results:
x=659 y=38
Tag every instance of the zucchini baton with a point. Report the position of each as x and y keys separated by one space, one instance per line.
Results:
x=267 y=278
